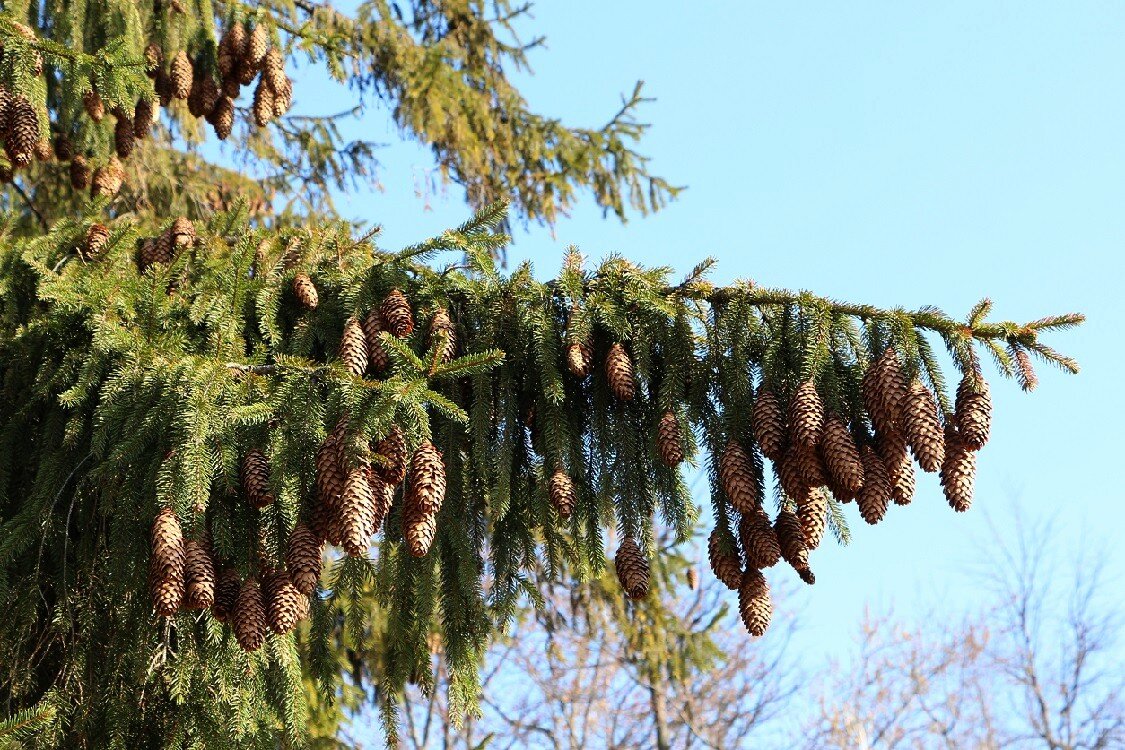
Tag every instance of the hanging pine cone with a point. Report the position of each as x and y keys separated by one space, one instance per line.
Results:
x=180 y=73
x=754 y=603
x=923 y=427
x=397 y=316
x=283 y=602
x=840 y=455
x=123 y=136
x=619 y=373
x=579 y=359
x=182 y=231
x=563 y=496
x=810 y=465
x=884 y=392
x=632 y=569
x=230 y=48
x=64 y=149
x=282 y=97
x=691 y=575
x=441 y=324
x=144 y=114
x=424 y=498
x=330 y=477
x=812 y=511
x=377 y=358
x=231 y=87
x=43 y=150
x=392 y=449
x=262 y=107
x=769 y=425
x=222 y=117
x=958 y=471
x=154 y=58
x=167 y=563
x=806 y=416
x=199 y=576
x=162 y=86
x=302 y=558
x=93 y=104
x=249 y=616
x=23 y=132
x=668 y=443
x=353 y=348
x=79 y=173
x=107 y=179
x=794 y=550
x=97 y=238
x=226 y=595
x=256 y=479
x=789 y=474
x=305 y=291
x=357 y=513
x=273 y=69
x=759 y=541
x=256 y=45
x=875 y=494
x=738 y=479
x=725 y=565
x=204 y=95
x=383 y=494
x=973 y=413
x=900 y=469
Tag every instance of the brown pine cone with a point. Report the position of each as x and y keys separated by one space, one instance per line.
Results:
x=579 y=359
x=107 y=179
x=958 y=470
x=22 y=132
x=283 y=602
x=392 y=449
x=273 y=69
x=222 y=117
x=282 y=97
x=810 y=465
x=841 y=456
x=794 y=549
x=64 y=149
x=397 y=315
x=226 y=595
x=441 y=324
x=182 y=231
x=256 y=479
x=813 y=514
x=383 y=493
x=791 y=477
x=875 y=495
x=424 y=498
x=94 y=106
x=691 y=575
x=759 y=541
x=262 y=107
x=619 y=373
x=738 y=479
x=973 y=413
x=257 y=43
x=769 y=425
x=144 y=115
x=330 y=474
x=923 y=427
x=231 y=48
x=806 y=416
x=305 y=291
x=377 y=358
x=563 y=496
x=900 y=469
x=154 y=58
x=725 y=565
x=353 y=348
x=43 y=150
x=632 y=569
x=356 y=513
x=79 y=172
x=249 y=616
x=199 y=572
x=97 y=238
x=204 y=96
x=754 y=603
x=884 y=392
x=180 y=73
x=303 y=558
x=668 y=443
x=419 y=528
x=167 y=563
x=162 y=86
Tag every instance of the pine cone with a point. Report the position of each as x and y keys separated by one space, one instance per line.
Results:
x=144 y=114
x=759 y=541
x=23 y=132
x=563 y=496
x=256 y=45
x=813 y=514
x=392 y=448
x=273 y=69
x=632 y=569
x=43 y=150
x=305 y=291
x=256 y=479
x=231 y=48
x=283 y=602
x=791 y=537
x=841 y=456
x=875 y=494
x=419 y=528
x=303 y=558
x=619 y=373
x=64 y=149
x=226 y=595
x=249 y=616
x=691 y=575
x=973 y=413
x=353 y=348
x=204 y=96
x=154 y=58
x=900 y=469
x=200 y=576
x=357 y=513
x=94 y=106
x=806 y=416
x=282 y=97
x=791 y=477
x=182 y=231
x=579 y=359
x=958 y=471
x=440 y=324
x=231 y=87
x=884 y=392
x=397 y=316
x=377 y=358
x=668 y=443
x=424 y=498
x=180 y=74
x=330 y=475
x=167 y=563
x=754 y=602
x=738 y=479
x=79 y=173
x=383 y=493
x=769 y=425
x=810 y=465
x=162 y=86
x=222 y=117
x=107 y=179
x=97 y=237
x=262 y=108
x=725 y=565
x=923 y=427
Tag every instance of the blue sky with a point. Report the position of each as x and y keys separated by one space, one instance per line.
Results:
x=886 y=152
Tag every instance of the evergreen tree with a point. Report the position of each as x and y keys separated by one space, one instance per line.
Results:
x=247 y=447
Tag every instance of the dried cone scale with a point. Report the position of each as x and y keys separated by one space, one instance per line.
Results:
x=813 y=513
x=958 y=471
x=794 y=550
x=769 y=425
x=392 y=449
x=725 y=565
x=759 y=540
x=442 y=334
x=563 y=496
x=736 y=475
x=806 y=416
x=302 y=558
x=619 y=373
x=283 y=602
x=353 y=348
x=167 y=563
x=579 y=359
x=377 y=358
x=875 y=495
x=424 y=498
x=397 y=315
x=226 y=595
x=632 y=569
x=841 y=455
x=305 y=291
x=256 y=479
x=668 y=443
x=199 y=572
x=973 y=413
x=754 y=603
x=249 y=616
x=923 y=427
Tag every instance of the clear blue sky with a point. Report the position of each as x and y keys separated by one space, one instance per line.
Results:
x=887 y=152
